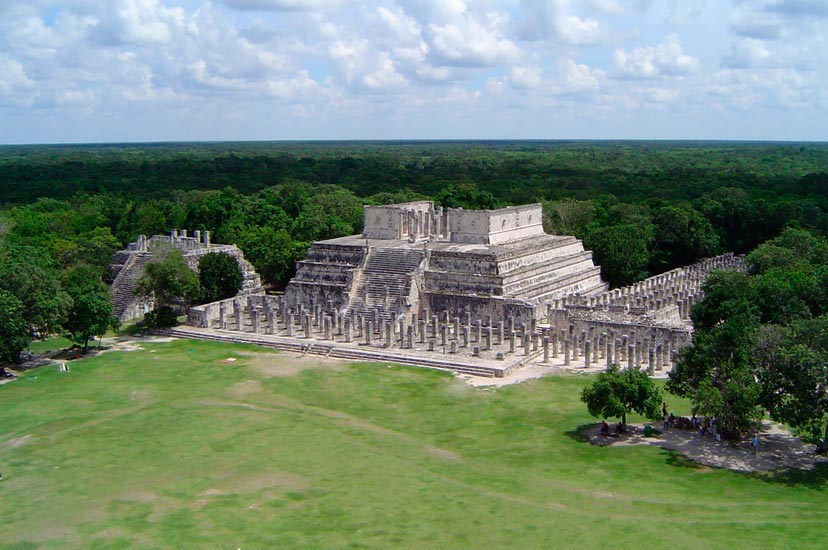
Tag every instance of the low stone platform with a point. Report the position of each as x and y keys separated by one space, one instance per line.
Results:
x=359 y=352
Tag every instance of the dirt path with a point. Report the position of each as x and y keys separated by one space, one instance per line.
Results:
x=777 y=448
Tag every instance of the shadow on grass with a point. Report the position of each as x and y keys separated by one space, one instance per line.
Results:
x=580 y=433
x=815 y=478
x=678 y=460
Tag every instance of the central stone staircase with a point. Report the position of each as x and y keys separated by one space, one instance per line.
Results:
x=384 y=284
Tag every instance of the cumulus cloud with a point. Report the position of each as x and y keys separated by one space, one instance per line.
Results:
x=747 y=54
x=666 y=59
x=13 y=81
x=310 y=63
x=471 y=44
x=554 y=20
x=281 y=5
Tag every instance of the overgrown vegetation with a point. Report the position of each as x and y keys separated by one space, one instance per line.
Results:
x=761 y=340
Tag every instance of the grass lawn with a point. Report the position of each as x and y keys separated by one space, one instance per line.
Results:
x=50 y=344
x=172 y=446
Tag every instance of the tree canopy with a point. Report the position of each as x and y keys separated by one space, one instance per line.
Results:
x=616 y=392
x=220 y=276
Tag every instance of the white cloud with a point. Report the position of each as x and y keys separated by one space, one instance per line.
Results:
x=666 y=59
x=747 y=54
x=471 y=44
x=553 y=19
x=15 y=84
x=214 y=69
x=281 y=5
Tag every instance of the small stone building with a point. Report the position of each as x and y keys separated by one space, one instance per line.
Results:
x=413 y=257
x=129 y=265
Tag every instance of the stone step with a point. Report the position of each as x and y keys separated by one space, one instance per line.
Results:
x=331 y=350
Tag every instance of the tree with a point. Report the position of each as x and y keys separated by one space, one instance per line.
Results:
x=14 y=332
x=220 y=276
x=622 y=251
x=91 y=312
x=717 y=373
x=617 y=392
x=793 y=375
x=29 y=274
x=169 y=281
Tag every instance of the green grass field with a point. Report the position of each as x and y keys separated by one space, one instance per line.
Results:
x=172 y=446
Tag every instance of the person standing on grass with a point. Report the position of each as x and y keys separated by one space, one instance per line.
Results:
x=755 y=443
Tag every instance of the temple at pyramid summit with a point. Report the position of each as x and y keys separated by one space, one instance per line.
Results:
x=494 y=264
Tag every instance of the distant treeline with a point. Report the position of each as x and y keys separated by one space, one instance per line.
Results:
x=642 y=207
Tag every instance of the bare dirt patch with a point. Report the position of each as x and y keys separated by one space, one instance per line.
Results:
x=18 y=441
x=270 y=365
x=778 y=448
x=248 y=387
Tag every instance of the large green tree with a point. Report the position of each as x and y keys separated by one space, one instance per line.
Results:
x=622 y=251
x=220 y=276
x=616 y=392
x=14 y=332
x=169 y=281
x=30 y=274
x=91 y=312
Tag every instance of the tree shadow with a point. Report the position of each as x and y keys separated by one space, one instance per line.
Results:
x=678 y=460
x=813 y=478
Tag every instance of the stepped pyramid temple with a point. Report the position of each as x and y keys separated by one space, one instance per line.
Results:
x=410 y=257
x=480 y=292
x=128 y=266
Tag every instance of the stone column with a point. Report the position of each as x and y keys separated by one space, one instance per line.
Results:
x=326 y=326
x=487 y=335
x=477 y=331
x=546 y=349
x=289 y=325
x=630 y=356
x=434 y=326
x=511 y=336
x=223 y=315
x=369 y=332
x=347 y=324
x=555 y=344
x=422 y=331
x=587 y=354
x=465 y=336
x=566 y=346
x=307 y=325
x=271 y=321
x=525 y=343
x=651 y=362
x=237 y=314
x=443 y=336
x=410 y=336
x=456 y=334
x=254 y=319
x=499 y=333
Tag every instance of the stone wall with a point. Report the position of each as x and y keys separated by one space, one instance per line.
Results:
x=129 y=266
x=495 y=226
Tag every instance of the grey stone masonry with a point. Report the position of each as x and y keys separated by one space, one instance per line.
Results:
x=129 y=265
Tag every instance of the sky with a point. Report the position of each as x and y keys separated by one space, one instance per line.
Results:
x=192 y=70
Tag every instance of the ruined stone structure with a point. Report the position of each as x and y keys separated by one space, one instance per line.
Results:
x=477 y=292
x=129 y=264
x=644 y=324
x=413 y=257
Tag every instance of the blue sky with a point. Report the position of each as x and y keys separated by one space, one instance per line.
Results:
x=157 y=70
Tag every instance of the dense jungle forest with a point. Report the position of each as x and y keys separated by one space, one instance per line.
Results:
x=642 y=207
